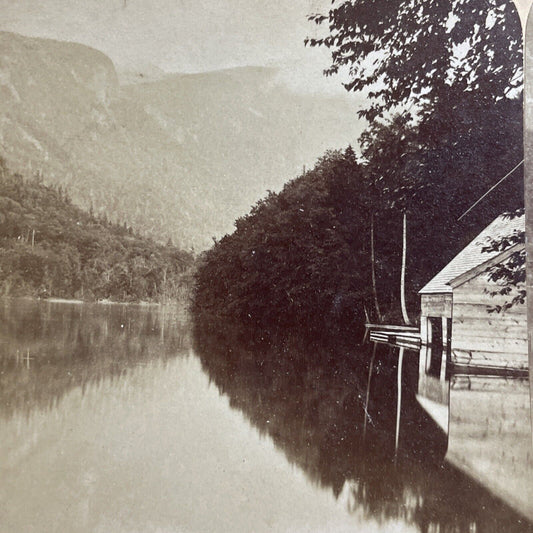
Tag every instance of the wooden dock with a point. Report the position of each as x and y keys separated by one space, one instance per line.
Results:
x=407 y=337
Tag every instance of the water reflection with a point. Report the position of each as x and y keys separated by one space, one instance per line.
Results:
x=309 y=400
x=47 y=349
x=104 y=427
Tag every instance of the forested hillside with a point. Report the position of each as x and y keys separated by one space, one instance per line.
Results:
x=298 y=259
x=51 y=248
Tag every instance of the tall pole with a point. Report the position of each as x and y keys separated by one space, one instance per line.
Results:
x=402 y=281
x=373 y=259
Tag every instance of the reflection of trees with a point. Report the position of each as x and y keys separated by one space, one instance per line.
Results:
x=309 y=401
x=47 y=349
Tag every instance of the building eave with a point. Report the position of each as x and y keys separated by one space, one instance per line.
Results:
x=483 y=267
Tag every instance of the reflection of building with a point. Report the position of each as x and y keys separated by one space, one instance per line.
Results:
x=458 y=332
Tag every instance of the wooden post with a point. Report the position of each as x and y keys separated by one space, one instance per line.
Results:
x=423 y=344
x=430 y=346
x=368 y=387
x=398 y=403
x=444 y=357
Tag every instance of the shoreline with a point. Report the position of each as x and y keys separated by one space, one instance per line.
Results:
x=76 y=301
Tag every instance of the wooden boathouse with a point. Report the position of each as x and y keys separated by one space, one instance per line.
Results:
x=461 y=333
x=473 y=367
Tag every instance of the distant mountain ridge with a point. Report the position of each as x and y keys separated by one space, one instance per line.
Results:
x=182 y=156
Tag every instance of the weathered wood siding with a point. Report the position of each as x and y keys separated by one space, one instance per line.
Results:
x=497 y=338
x=436 y=305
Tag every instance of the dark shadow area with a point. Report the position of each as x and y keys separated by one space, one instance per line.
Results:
x=309 y=397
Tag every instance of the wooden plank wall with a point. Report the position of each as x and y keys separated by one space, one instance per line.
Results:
x=498 y=337
x=436 y=305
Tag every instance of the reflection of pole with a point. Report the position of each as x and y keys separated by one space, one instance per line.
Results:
x=399 y=402
x=368 y=388
x=26 y=358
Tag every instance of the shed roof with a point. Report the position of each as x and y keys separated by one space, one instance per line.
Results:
x=472 y=255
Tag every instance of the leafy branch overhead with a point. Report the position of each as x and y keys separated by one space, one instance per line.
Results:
x=401 y=53
x=510 y=274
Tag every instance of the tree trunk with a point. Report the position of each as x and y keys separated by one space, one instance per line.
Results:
x=373 y=259
x=402 y=282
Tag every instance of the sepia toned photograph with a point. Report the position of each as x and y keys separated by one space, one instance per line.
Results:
x=264 y=266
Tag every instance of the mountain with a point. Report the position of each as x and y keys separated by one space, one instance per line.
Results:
x=179 y=156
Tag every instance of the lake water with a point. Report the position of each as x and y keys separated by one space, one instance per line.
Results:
x=119 y=418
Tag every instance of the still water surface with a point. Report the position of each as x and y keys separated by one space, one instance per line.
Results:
x=118 y=419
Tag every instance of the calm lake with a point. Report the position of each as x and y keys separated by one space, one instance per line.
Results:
x=117 y=418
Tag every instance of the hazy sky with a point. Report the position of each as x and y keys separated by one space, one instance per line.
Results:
x=186 y=35
x=181 y=35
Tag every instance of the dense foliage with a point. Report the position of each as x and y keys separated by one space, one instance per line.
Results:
x=300 y=258
x=435 y=187
x=431 y=55
x=510 y=274
x=443 y=98
x=49 y=247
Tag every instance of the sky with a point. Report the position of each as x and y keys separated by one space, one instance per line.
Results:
x=188 y=35
x=184 y=35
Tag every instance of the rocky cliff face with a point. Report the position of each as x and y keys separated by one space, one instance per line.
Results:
x=180 y=157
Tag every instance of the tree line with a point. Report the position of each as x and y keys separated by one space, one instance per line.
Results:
x=51 y=248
